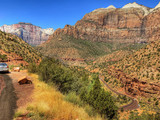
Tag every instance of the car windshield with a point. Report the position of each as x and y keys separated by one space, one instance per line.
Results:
x=3 y=64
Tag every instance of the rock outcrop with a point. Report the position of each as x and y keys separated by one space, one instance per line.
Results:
x=132 y=23
x=31 y=34
x=134 y=86
x=151 y=25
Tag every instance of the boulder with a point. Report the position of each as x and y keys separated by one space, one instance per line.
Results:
x=24 y=80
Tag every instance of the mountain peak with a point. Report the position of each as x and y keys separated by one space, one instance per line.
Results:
x=130 y=5
x=136 y=5
x=111 y=7
x=158 y=6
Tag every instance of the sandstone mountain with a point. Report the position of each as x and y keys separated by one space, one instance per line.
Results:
x=31 y=34
x=139 y=72
x=14 y=49
x=112 y=27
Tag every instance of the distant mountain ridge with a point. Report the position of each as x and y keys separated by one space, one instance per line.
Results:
x=30 y=33
x=106 y=26
x=109 y=24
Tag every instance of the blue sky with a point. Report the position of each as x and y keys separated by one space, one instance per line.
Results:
x=56 y=13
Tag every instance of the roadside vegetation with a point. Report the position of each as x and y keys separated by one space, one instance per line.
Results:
x=78 y=86
x=48 y=104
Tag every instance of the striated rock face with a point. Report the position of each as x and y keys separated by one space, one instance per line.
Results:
x=31 y=34
x=134 y=86
x=132 y=23
x=151 y=25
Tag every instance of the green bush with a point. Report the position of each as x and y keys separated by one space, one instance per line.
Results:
x=122 y=109
x=156 y=103
x=100 y=100
x=3 y=57
x=32 y=68
x=73 y=98
x=17 y=114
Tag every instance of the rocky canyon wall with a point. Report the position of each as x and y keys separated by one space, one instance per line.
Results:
x=130 y=24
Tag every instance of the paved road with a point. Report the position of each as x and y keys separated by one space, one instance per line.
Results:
x=132 y=106
x=7 y=99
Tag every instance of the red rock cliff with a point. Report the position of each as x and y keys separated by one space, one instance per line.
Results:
x=132 y=23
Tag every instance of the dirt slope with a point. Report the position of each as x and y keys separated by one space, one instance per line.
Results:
x=13 y=95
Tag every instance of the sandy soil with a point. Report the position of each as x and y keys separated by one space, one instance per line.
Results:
x=24 y=91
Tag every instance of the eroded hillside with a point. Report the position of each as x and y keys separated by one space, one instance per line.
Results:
x=14 y=48
x=140 y=71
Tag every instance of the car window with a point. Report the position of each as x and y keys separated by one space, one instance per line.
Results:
x=3 y=64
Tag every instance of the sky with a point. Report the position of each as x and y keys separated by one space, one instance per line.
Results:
x=56 y=13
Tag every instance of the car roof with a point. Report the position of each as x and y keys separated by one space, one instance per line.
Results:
x=3 y=64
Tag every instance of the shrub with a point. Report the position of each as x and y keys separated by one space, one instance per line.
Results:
x=73 y=98
x=17 y=114
x=3 y=57
x=122 y=109
x=156 y=103
x=76 y=83
x=32 y=68
x=149 y=100
x=101 y=100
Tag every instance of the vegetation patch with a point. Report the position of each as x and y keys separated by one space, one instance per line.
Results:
x=48 y=104
x=64 y=46
x=86 y=87
x=12 y=44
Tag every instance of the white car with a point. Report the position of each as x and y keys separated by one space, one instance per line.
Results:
x=4 y=67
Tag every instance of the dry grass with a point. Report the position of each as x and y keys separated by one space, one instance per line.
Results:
x=49 y=104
